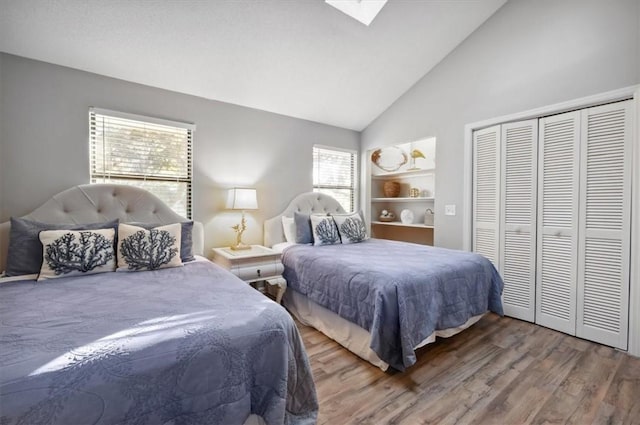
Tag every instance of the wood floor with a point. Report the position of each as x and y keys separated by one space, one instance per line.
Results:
x=499 y=371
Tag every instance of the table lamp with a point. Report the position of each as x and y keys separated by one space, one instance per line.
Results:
x=241 y=199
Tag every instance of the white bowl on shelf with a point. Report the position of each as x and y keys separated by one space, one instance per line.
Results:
x=406 y=216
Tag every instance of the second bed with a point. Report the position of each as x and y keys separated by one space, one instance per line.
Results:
x=382 y=299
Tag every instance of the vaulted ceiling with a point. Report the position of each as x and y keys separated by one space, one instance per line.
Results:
x=300 y=58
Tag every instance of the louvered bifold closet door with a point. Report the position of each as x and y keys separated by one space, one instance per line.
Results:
x=486 y=177
x=605 y=213
x=518 y=218
x=557 y=238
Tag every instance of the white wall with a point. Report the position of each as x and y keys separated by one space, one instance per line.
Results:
x=529 y=54
x=45 y=148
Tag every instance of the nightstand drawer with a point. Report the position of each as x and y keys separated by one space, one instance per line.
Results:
x=258 y=271
x=252 y=265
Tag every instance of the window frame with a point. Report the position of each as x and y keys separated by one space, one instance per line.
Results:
x=189 y=127
x=354 y=188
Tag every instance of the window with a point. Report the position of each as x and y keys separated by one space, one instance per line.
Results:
x=334 y=173
x=141 y=151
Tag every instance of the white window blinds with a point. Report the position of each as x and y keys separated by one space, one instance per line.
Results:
x=150 y=153
x=334 y=173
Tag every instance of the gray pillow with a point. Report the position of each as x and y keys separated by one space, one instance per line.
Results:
x=24 y=255
x=304 y=234
x=186 y=238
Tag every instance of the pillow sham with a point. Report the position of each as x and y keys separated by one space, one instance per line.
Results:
x=351 y=227
x=186 y=238
x=325 y=231
x=289 y=227
x=73 y=253
x=141 y=249
x=24 y=254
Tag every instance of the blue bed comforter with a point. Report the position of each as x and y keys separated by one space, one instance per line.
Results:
x=188 y=345
x=400 y=292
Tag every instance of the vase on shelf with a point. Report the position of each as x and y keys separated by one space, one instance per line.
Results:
x=428 y=217
x=391 y=189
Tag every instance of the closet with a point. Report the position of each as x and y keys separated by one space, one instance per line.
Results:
x=552 y=210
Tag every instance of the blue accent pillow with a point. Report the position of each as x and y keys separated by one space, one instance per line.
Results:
x=186 y=238
x=304 y=234
x=24 y=255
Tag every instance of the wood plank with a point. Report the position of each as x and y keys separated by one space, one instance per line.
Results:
x=621 y=403
x=578 y=397
x=475 y=392
x=427 y=391
x=535 y=385
x=499 y=371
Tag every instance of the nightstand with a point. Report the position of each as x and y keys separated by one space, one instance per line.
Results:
x=253 y=266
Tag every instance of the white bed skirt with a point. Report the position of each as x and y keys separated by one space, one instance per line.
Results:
x=254 y=420
x=351 y=336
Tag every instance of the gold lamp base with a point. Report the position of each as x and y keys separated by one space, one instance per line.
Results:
x=241 y=246
x=239 y=229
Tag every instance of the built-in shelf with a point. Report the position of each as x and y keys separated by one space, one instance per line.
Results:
x=411 y=173
x=419 y=199
x=414 y=165
x=399 y=223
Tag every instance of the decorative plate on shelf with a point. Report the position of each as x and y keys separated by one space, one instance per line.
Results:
x=390 y=158
x=406 y=216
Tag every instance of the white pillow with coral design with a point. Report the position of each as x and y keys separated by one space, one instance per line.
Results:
x=76 y=252
x=324 y=230
x=351 y=227
x=141 y=249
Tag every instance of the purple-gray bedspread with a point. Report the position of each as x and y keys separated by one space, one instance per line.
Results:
x=400 y=292
x=187 y=345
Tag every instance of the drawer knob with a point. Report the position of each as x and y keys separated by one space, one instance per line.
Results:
x=259 y=273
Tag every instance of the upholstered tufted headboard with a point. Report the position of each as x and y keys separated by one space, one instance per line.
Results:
x=93 y=203
x=307 y=203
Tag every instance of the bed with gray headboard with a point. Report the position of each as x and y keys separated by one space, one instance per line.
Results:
x=381 y=299
x=188 y=344
x=100 y=203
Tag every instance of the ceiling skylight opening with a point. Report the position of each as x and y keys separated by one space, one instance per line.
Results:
x=363 y=11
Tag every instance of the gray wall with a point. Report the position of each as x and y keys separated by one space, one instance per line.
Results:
x=45 y=148
x=529 y=54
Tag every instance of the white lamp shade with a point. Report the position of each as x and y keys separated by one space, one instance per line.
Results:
x=242 y=199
